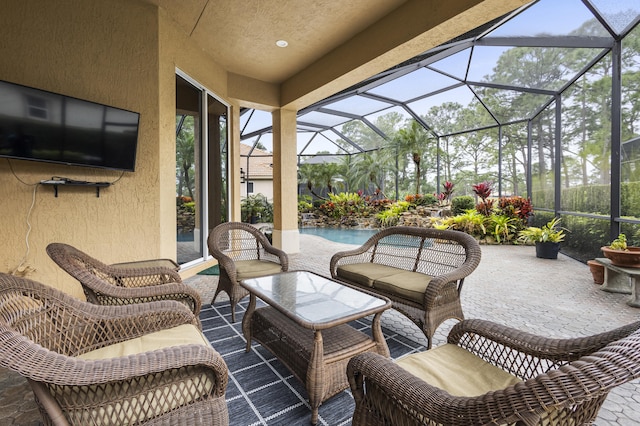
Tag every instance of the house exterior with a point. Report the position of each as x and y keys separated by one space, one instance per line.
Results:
x=256 y=172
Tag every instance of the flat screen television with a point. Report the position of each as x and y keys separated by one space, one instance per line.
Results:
x=45 y=126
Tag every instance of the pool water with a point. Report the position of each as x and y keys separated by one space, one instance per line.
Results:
x=341 y=235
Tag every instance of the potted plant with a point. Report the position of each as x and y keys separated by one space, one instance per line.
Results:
x=621 y=254
x=253 y=206
x=546 y=238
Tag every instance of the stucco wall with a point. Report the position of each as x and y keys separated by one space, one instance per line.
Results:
x=110 y=52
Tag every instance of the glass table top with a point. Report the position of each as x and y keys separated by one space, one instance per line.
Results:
x=311 y=298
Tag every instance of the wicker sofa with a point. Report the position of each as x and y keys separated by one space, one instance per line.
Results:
x=421 y=270
x=110 y=365
x=490 y=374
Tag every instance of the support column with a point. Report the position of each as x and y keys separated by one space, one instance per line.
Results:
x=235 y=163
x=285 y=180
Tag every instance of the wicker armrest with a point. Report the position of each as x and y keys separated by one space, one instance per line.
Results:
x=378 y=383
x=348 y=256
x=128 y=276
x=226 y=263
x=162 y=263
x=483 y=337
x=282 y=256
x=104 y=293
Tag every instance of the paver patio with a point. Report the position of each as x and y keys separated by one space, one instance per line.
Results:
x=555 y=298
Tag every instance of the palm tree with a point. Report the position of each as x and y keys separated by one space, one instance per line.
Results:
x=370 y=167
x=413 y=140
x=310 y=174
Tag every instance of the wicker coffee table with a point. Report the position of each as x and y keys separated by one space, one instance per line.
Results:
x=305 y=327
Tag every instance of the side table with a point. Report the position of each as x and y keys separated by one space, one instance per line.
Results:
x=621 y=280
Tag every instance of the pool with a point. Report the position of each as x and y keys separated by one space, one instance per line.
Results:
x=341 y=235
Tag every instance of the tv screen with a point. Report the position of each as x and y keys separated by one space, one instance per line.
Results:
x=45 y=126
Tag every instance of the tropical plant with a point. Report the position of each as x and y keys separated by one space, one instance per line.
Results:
x=345 y=204
x=391 y=215
x=256 y=207
x=619 y=243
x=445 y=196
x=483 y=190
x=550 y=232
x=304 y=204
x=471 y=222
x=502 y=227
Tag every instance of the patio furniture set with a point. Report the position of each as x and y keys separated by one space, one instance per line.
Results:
x=135 y=352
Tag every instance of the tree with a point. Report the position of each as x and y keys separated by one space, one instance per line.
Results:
x=185 y=156
x=413 y=140
x=310 y=174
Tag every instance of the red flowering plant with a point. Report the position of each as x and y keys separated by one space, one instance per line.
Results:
x=516 y=206
x=444 y=198
x=483 y=190
x=448 y=189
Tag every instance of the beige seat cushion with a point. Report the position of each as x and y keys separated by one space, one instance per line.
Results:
x=181 y=335
x=365 y=273
x=156 y=391
x=256 y=268
x=457 y=371
x=405 y=284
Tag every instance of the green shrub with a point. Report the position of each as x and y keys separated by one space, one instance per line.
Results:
x=461 y=204
x=421 y=200
x=190 y=206
x=391 y=215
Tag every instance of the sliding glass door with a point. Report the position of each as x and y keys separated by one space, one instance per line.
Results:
x=201 y=168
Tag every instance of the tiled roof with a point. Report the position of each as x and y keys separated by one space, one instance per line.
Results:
x=260 y=163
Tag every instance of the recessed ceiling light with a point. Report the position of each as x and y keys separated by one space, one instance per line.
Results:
x=282 y=43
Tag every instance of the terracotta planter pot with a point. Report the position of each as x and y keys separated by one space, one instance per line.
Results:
x=597 y=270
x=625 y=259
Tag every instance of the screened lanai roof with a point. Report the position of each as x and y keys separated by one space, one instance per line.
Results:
x=505 y=72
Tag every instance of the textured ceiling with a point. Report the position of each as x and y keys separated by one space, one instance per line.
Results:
x=241 y=35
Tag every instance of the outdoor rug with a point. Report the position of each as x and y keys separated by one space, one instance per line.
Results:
x=214 y=270
x=261 y=390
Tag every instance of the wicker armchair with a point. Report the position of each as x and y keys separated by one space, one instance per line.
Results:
x=557 y=381
x=242 y=252
x=110 y=365
x=421 y=270
x=124 y=283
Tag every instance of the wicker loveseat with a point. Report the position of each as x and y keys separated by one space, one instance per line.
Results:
x=420 y=269
x=124 y=283
x=110 y=365
x=489 y=374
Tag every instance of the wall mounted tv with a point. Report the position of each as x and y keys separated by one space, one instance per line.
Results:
x=44 y=126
